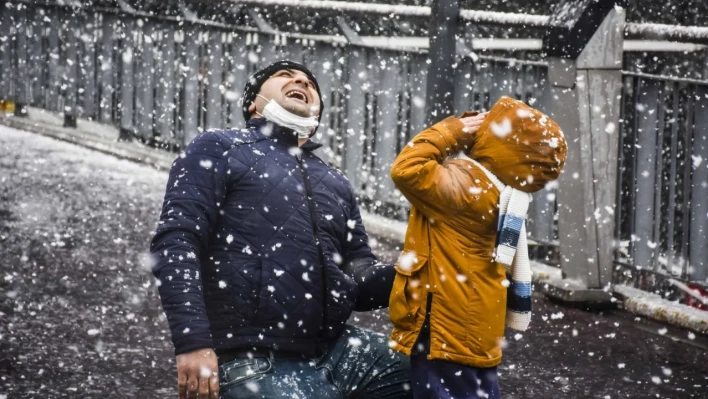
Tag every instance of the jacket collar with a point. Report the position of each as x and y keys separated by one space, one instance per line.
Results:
x=282 y=134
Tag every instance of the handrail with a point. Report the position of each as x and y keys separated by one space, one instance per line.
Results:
x=633 y=30
x=488 y=17
x=667 y=32
x=665 y=78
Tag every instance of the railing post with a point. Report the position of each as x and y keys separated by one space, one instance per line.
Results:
x=698 y=260
x=71 y=76
x=585 y=77
x=22 y=85
x=440 y=90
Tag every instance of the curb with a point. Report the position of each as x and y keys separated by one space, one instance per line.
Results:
x=634 y=300
x=83 y=135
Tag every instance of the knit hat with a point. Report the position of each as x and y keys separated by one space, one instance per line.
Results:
x=520 y=145
x=254 y=83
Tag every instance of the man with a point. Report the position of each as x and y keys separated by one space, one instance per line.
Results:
x=261 y=257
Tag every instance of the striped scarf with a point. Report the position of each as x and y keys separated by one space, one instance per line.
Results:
x=512 y=249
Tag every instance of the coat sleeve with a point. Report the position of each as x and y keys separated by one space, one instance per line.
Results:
x=195 y=191
x=374 y=279
x=437 y=189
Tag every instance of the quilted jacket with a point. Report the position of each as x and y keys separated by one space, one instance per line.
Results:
x=236 y=250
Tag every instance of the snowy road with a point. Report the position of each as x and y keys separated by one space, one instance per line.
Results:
x=80 y=317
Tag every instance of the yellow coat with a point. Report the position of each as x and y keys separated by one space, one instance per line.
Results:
x=453 y=226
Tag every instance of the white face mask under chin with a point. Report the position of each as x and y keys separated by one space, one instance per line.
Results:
x=303 y=126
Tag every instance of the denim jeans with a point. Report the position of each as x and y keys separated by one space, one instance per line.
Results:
x=359 y=365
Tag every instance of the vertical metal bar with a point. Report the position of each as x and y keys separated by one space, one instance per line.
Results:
x=322 y=66
x=7 y=22
x=71 y=75
x=87 y=65
x=646 y=248
x=632 y=211
x=418 y=84
x=53 y=83
x=145 y=94
x=238 y=76
x=165 y=86
x=440 y=88
x=359 y=82
x=190 y=100
x=698 y=259
x=106 y=86
x=687 y=182
x=22 y=79
x=37 y=61
x=622 y=165
x=214 y=77
x=127 y=79
x=387 y=126
x=463 y=79
x=501 y=82
x=671 y=208
x=659 y=175
x=267 y=53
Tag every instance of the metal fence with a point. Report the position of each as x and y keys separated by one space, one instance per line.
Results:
x=163 y=80
x=663 y=203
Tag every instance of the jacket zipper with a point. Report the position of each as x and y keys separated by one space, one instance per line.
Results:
x=315 y=229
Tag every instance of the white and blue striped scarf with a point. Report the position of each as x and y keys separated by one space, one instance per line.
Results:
x=512 y=249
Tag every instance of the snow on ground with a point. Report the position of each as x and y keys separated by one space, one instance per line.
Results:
x=80 y=316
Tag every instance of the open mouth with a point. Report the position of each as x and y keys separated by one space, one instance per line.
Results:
x=297 y=95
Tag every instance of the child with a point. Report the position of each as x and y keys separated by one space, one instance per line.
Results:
x=468 y=180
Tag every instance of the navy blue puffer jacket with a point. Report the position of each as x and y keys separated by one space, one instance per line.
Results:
x=240 y=260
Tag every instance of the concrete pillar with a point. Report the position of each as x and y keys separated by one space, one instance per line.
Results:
x=585 y=101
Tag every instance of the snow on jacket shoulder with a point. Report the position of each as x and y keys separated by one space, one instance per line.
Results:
x=236 y=253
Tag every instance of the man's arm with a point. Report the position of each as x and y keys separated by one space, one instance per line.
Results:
x=436 y=189
x=373 y=279
x=195 y=191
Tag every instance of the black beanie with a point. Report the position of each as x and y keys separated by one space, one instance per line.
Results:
x=253 y=86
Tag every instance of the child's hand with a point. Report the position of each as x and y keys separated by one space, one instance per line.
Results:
x=472 y=123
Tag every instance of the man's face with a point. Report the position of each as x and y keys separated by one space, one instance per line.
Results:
x=292 y=90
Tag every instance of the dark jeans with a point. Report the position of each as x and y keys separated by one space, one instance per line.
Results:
x=442 y=379
x=359 y=365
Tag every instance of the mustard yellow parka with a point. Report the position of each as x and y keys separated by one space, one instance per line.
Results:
x=452 y=228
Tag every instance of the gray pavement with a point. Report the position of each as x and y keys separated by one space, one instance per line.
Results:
x=80 y=316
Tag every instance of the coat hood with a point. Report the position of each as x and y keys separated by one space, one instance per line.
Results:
x=523 y=147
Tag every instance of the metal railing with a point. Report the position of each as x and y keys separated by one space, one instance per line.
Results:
x=662 y=218
x=164 y=79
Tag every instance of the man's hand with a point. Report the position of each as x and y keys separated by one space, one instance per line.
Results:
x=472 y=123
x=198 y=375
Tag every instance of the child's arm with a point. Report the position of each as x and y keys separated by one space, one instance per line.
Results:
x=438 y=190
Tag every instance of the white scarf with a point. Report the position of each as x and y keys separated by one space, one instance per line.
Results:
x=512 y=249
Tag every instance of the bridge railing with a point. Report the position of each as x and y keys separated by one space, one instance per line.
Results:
x=164 y=79
x=662 y=217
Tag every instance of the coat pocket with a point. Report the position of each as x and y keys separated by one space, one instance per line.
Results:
x=409 y=290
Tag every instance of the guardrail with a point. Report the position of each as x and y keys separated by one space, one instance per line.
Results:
x=663 y=203
x=164 y=79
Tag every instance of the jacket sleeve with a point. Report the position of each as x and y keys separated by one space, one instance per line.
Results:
x=436 y=189
x=374 y=279
x=195 y=191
